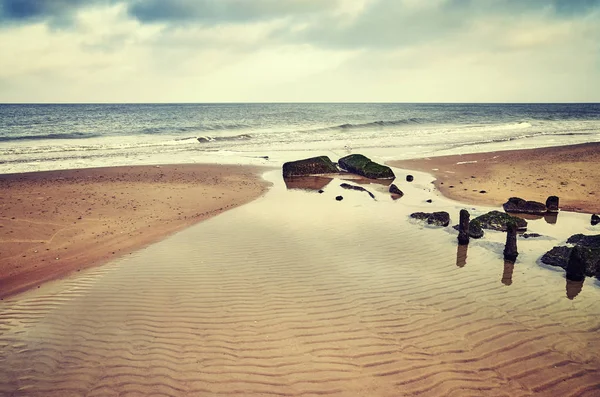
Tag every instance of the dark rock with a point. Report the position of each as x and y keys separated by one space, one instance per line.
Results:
x=531 y=235
x=312 y=166
x=359 y=188
x=496 y=220
x=588 y=253
x=482 y=191
x=595 y=220
x=585 y=241
x=440 y=218
x=394 y=190
x=339 y=198
x=576 y=267
x=518 y=205
x=321 y=191
x=557 y=256
x=463 y=227
x=552 y=204
x=475 y=229
x=510 y=249
x=409 y=178
x=429 y=201
x=361 y=165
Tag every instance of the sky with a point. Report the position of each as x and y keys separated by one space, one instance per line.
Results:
x=299 y=51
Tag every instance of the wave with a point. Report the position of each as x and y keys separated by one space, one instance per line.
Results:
x=70 y=135
x=177 y=130
x=380 y=123
x=206 y=139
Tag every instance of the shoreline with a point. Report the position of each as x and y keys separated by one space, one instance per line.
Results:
x=53 y=223
x=490 y=178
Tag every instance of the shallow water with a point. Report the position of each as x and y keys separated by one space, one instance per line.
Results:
x=299 y=294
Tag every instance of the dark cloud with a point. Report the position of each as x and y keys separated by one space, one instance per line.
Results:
x=35 y=10
x=223 y=11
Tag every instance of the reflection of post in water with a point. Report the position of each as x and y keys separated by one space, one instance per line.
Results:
x=509 y=267
x=574 y=288
x=551 y=218
x=461 y=255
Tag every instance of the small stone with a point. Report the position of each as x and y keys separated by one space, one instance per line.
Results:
x=430 y=201
x=595 y=219
x=321 y=191
x=482 y=191
x=409 y=178
x=339 y=198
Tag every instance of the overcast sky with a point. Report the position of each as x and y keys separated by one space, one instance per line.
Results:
x=299 y=50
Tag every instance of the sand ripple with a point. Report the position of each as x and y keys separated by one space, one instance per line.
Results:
x=282 y=298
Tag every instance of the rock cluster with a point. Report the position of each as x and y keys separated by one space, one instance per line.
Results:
x=585 y=259
x=441 y=218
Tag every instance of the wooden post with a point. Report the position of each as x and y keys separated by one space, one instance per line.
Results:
x=510 y=249
x=463 y=227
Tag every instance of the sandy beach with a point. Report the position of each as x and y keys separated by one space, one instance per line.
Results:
x=569 y=172
x=291 y=294
x=54 y=223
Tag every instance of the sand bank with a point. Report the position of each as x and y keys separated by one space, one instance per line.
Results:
x=53 y=223
x=570 y=172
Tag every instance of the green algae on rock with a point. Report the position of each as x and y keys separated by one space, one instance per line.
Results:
x=362 y=165
x=313 y=166
x=496 y=220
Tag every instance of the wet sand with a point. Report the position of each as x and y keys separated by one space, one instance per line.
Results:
x=54 y=223
x=569 y=172
x=297 y=294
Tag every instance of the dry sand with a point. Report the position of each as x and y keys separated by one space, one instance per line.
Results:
x=569 y=172
x=54 y=223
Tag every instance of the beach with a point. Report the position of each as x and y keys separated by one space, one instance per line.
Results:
x=569 y=172
x=56 y=222
x=295 y=293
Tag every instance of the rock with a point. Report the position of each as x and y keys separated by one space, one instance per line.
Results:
x=394 y=190
x=441 y=218
x=359 y=188
x=531 y=235
x=475 y=229
x=339 y=198
x=496 y=220
x=595 y=220
x=557 y=256
x=463 y=227
x=409 y=178
x=552 y=204
x=312 y=166
x=361 y=165
x=518 y=205
x=321 y=191
x=588 y=255
x=429 y=201
x=510 y=249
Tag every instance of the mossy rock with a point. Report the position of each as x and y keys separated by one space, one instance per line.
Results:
x=496 y=220
x=312 y=166
x=362 y=165
x=475 y=229
x=590 y=258
x=441 y=218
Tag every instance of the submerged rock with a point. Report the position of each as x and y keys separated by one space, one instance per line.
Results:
x=496 y=220
x=475 y=229
x=362 y=165
x=359 y=188
x=586 y=259
x=518 y=205
x=312 y=166
x=395 y=190
x=441 y=218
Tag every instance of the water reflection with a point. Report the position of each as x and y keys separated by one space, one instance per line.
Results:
x=461 y=255
x=509 y=267
x=307 y=182
x=574 y=288
x=551 y=218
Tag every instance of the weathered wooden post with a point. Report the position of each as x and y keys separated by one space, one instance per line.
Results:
x=552 y=204
x=510 y=249
x=576 y=265
x=463 y=227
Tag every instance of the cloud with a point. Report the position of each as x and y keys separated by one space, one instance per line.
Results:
x=299 y=50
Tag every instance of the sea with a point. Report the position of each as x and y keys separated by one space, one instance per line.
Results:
x=35 y=137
